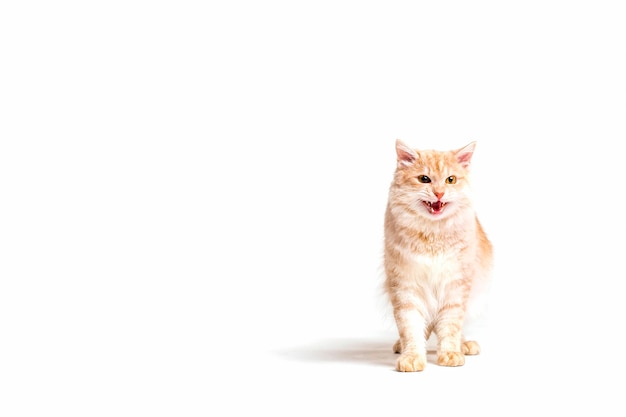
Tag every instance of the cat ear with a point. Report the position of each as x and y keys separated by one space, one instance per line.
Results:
x=406 y=155
x=464 y=155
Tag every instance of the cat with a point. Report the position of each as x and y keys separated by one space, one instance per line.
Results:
x=437 y=257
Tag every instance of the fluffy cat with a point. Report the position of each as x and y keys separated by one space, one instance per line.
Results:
x=437 y=256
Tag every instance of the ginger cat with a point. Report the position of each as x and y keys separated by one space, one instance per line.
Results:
x=436 y=254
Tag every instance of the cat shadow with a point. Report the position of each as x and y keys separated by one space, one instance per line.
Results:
x=373 y=352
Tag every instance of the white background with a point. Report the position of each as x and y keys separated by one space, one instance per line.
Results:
x=192 y=197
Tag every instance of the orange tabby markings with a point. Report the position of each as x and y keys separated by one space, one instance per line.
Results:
x=436 y=251
x=449 y=307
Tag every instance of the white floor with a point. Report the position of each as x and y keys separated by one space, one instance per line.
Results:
x=192 y=197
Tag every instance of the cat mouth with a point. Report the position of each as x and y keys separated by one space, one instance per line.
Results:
x=435 y=207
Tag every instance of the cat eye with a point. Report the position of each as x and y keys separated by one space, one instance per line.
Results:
x=451 y=179
x=423 y=179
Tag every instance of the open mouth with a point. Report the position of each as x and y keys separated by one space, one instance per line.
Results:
x=435 y=207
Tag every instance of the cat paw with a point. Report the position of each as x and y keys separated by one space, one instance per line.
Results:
x=470 y=348
x=397 y=347
x=411 y=363
x=450 y=359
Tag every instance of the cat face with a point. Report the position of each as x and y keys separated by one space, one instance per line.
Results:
x=432 y=184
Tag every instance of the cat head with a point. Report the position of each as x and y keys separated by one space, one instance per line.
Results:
x=432 y=184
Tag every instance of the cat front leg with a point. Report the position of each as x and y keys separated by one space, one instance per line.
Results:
x=412 y=343
x=449 y=325
x=448 y=329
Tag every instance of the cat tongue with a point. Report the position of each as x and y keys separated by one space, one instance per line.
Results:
x=436 y=206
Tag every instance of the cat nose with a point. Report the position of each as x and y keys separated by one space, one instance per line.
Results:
x=438 y=195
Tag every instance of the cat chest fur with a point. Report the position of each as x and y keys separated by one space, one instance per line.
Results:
x=433 y=269
x=434 y=260
x=426 y=280
x=424 y=268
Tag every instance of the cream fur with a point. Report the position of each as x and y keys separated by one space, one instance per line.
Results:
x=436 y=254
